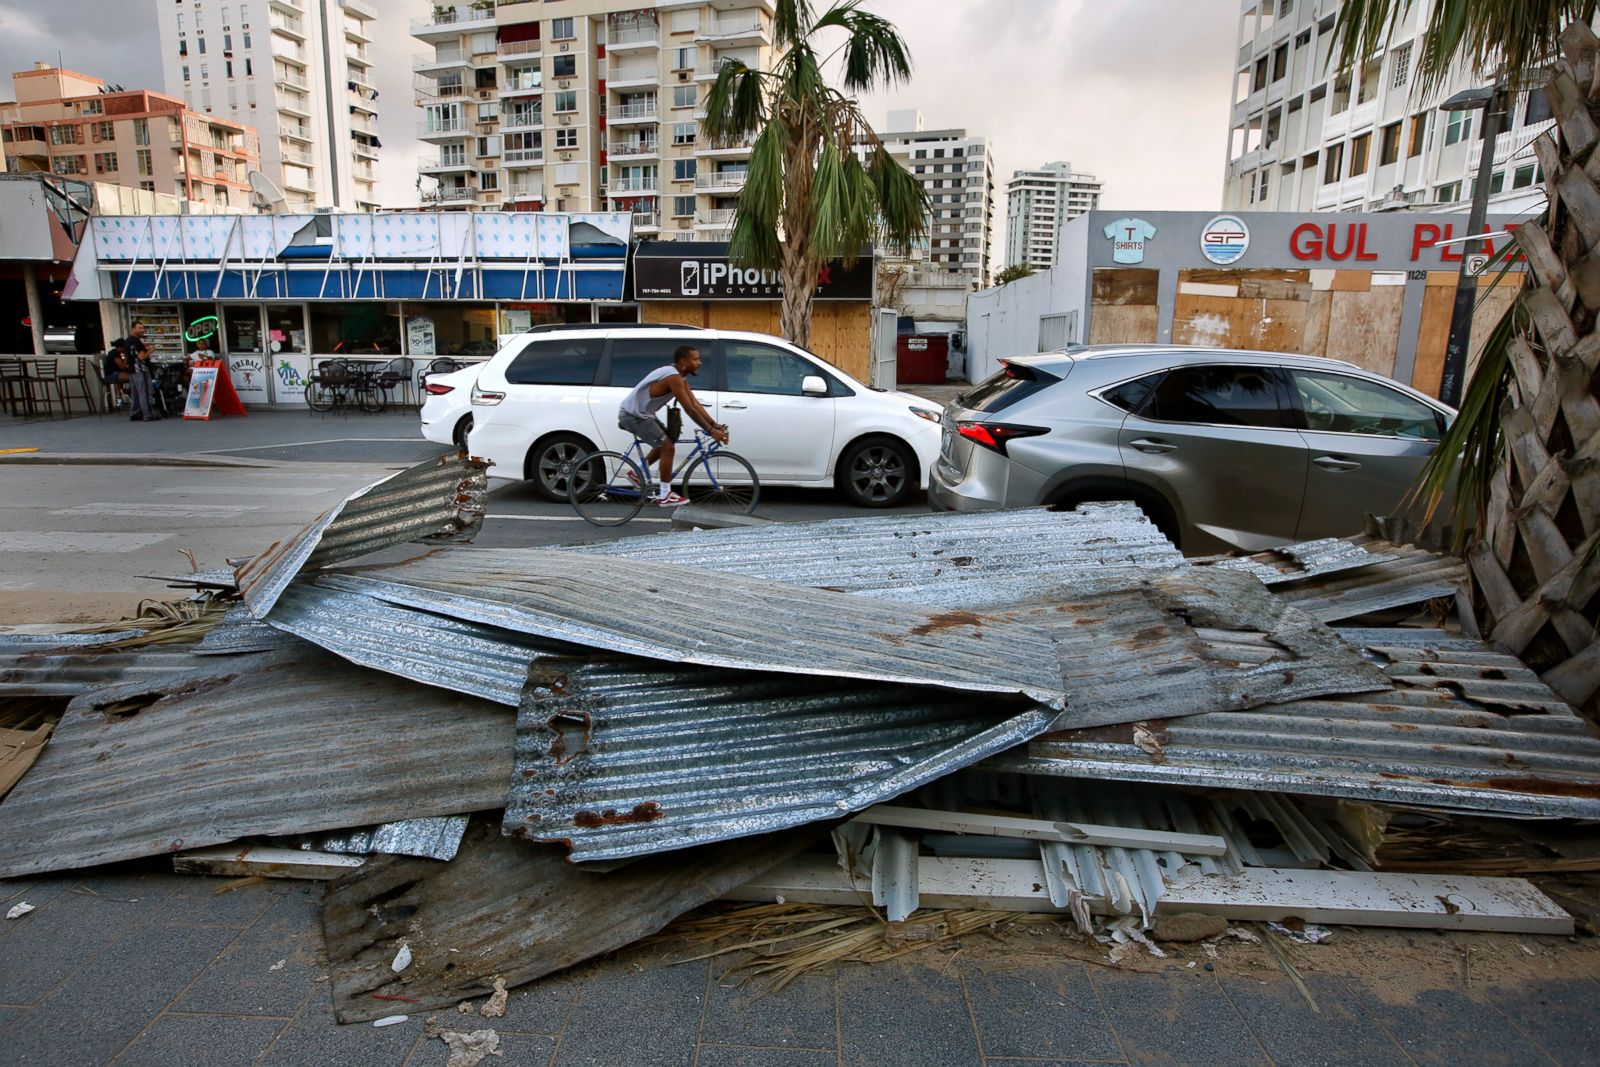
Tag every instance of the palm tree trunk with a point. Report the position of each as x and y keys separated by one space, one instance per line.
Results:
x=1536 y=569
x=799 y=276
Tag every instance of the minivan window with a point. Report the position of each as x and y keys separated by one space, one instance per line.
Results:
x=557 y=362
x=758 y=368
x=1217 y=396
x=634 y=357
x=1014 y=382
x=1338 y=403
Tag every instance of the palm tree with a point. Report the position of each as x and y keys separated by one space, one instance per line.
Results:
x=1528 y=433
x=810 y=197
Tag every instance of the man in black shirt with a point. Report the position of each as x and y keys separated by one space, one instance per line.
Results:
x=141 y=379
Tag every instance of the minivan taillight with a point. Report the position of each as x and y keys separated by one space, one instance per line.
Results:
x=437 y=390
x=995 y=435
x=484 y=398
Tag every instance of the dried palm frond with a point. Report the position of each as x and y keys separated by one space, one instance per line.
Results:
x=164 y=622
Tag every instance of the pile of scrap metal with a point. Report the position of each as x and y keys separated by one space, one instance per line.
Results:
x=510 y=760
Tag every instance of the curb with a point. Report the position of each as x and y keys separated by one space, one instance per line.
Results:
x=128 y=459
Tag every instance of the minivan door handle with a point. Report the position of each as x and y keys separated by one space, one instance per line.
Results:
x=1153 y=447
x=734 y=405
x=1336 y=464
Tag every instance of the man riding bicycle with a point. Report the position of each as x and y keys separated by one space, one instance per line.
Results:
x=655 y=391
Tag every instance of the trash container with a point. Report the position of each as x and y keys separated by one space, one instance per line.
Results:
x=921 y=359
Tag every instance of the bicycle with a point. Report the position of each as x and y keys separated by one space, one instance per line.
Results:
x=337 y=384
x=608 y=488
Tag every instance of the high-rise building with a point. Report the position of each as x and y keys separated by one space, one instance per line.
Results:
x=1038 y=203
x=300 y=72
x=957 y=172
x=596 y=108
x=73 y=124
x=1305 y=137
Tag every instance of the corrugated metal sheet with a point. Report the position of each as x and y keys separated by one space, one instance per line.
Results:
x=22 y=644
x=239 y=631
x=1465 y=728
x=42 y=674
x=440 y=499
x=1307 y=559
x=622 y=758
x=972 y=561
x=723 y=620
x=1411 y=577
x=215 y=578
x=507 y=909
x=291 y=745
x=467 y=657
x=435 y=838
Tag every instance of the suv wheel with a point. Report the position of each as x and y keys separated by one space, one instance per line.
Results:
x=877 y=472
x=551 y=462
x=463 y=427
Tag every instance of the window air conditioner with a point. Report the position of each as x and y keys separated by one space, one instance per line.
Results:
x=566 y=47
x=566 y=120
x=683 y=75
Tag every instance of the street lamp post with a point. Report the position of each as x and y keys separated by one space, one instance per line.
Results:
x=1493 y=102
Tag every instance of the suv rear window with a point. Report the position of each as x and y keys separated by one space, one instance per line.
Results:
x=557 y=362
x=1014 y=382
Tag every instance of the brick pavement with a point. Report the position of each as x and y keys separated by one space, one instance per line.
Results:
x=142 y=967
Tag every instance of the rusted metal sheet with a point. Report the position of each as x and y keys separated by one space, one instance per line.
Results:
x=1307 y=559
x=1410 y=577
x=291 y=745
x=440 y=499
x=622 y=757
x=508 y=909
x=1463 y=728
x=972 y=560
x=467 y=657
x=660 y=611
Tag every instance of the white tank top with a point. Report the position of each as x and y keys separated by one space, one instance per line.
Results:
x=640 y=402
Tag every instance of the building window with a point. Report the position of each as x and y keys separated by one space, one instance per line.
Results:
x=683 y=170
x=1358 y=154
x=564 y=66
x=141 y=131
x=488 y=146
x=1524 y=176
x=1331 y=164
x=567 y=100
x=684 y=96
x=143 y=158
x=1538 y=109
x=105 y=131
x=105 y=162
x=247 y=40
x=1389 y=147
x=1448 y=194
x=227 y=66
x=1419 y=135
x=1280 y=62
x=566 y=137
x=183 y=49
x=682 y=206
x=1400 y=67
x=487 y=113
x=249 y=71
x=205 y=72
x=683 y=133
x=561 y=30
x=683 y=58
x=1458 y=127
x=148 y=187
x=227 y=43
x=488 y=180
x=64 y=135
x=67 y=164
x=186 y=72
x=200 y=45
x=452 y=155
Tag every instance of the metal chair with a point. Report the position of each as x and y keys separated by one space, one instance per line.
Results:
x=80 y=376
x=442 y=365
x=16 y=394
x=43 y=373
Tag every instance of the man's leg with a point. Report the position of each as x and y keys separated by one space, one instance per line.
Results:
x=665 y=448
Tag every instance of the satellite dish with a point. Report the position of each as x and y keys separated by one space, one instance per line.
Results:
x=265 y=194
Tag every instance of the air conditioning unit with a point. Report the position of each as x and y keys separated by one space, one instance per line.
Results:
x=566 y=157
x=566 y=120
x=484 y=94
x=566 y=47
x=683 y=75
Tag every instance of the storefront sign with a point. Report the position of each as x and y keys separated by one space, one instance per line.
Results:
x=669 y=276
x=202 y=383
x=249 y=372
x=1127 y=237
x=420 y=337
x=1224 y=239
x=289 y=378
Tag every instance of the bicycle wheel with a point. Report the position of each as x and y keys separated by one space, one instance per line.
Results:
x=606 y=488
x=320 y=397
x=371 y=398
x=723 y=482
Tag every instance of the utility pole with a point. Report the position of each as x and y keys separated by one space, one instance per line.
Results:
x=1493 y=102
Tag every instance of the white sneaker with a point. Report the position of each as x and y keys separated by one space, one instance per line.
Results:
x=671 y=500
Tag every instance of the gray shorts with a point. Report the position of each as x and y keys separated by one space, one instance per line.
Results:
x=644 y=427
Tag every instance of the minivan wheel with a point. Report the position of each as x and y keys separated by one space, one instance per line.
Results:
x=551 y=462
x=878 y=472
x=463 y=427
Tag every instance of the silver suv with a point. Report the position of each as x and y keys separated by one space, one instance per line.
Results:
x=1224 y=450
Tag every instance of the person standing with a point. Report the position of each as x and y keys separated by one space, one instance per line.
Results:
x=141 y=377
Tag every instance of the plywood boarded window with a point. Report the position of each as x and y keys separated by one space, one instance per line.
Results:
x=1123 y=306
x=1262 y=310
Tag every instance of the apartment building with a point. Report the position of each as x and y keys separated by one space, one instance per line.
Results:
x=957 y=172
x=586 y=105
x=1306 y=138
x=70 y=124
x=1038 y=203
x=300 y=71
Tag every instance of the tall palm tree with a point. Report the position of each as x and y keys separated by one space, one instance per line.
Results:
x=810 y=197
x=1528 y=433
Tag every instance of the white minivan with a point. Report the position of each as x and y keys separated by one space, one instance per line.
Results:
x=551 y=395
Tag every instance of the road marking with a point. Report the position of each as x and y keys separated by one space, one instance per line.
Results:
x=15 y=451
x=558 y=518
x=62 y=541
x=159 y=511
x=247 y=490
x=324 y=441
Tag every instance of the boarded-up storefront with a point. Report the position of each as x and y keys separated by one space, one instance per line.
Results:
x=1373 y=290
x=694 y=284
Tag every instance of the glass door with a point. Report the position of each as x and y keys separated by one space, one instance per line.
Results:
x=242 y=339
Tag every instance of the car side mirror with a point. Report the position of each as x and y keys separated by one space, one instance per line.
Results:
x=813 y=385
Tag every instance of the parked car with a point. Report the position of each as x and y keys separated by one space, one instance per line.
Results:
x=1224 y=450
x=447 y=405
x=551 y=395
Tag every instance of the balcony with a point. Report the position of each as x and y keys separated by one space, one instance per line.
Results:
x=637 y=148
x=291 y=7
x=716 y=218
x=429 y=87
x=362 y=150
x=521 y=120
x=288 y=53
x=445 y=166
x=294 y=155
x=646 y=184
x=627 y=75
x=289 y=104
x=446 y=22
x=726 y=149
x=289 y=26
x=521 y=157
x=295 y=133
x=525 y=192
x=630 y=113
x=727 y=181
x=730 y=30
x=449 y=196
x=288 y=79
x=443 y=59
x=637 y=39
x=520 y=49
x=521 y=88
x=452 y=130
x=646 y=220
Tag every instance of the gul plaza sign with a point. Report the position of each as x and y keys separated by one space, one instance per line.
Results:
x=1381 y=242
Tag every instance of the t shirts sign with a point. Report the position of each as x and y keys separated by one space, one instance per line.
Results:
x=1127 y=238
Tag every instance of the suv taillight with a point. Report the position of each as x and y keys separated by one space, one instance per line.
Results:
x=438 y=390
x=484 y=398
x=995 y=435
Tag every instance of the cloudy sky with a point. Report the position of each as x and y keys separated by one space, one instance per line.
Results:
x=1133 y=91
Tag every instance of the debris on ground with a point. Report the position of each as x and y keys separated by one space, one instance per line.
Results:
x=467 y=1048
x=805 y=743
x=17 y=911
